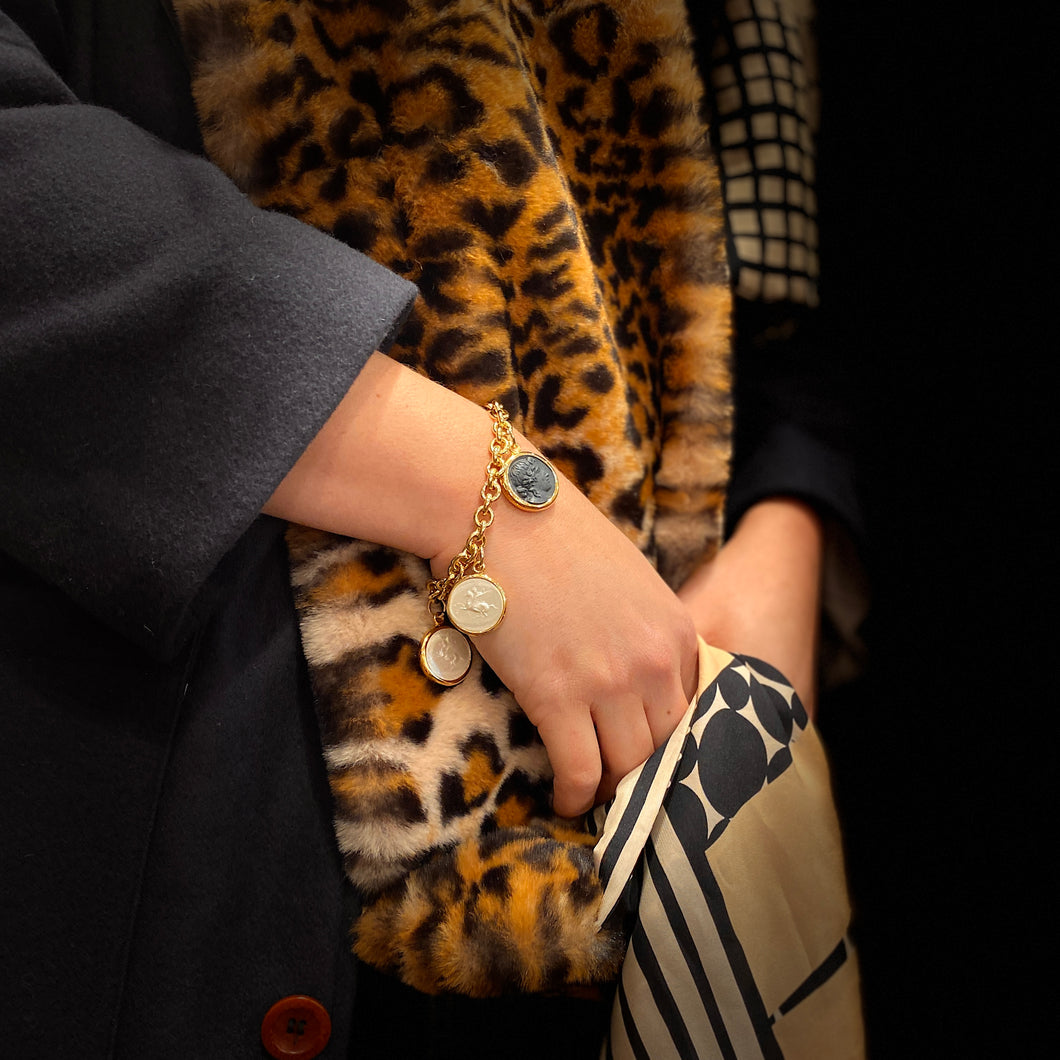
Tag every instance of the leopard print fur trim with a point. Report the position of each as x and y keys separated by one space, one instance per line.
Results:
x=539 y=169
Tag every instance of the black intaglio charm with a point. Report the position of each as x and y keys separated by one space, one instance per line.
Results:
x=529 y=481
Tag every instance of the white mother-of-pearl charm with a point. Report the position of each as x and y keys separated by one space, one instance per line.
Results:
x=445 y=655
x=476 y=604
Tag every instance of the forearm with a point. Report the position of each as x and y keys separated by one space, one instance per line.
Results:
x=595 y=647
x=401 y=462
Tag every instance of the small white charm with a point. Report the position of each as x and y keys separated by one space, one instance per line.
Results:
x=476 y=604
x=445 y=655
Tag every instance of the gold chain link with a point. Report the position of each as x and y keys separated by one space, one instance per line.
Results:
x=472 y=560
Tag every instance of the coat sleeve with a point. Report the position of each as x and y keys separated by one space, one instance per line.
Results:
x=795 y=407
x=796 y=395
x=166 y=352
x=796 y=423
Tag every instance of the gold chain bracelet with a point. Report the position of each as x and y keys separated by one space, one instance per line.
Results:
x=466 y=595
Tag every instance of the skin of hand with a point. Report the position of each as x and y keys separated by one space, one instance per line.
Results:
x=596 y=648
x=761 y=594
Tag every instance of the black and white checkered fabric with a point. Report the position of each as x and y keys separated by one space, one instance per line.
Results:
x=763 y=94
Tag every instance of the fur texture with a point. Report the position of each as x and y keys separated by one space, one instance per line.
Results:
x=540 y=171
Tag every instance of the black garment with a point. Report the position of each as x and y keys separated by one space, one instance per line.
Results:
x=796 y=426
x=795 y=400
x=166 y=352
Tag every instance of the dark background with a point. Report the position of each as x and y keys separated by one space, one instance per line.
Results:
x=935 y=219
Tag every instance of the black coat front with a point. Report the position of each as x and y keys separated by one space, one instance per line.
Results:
x=166 y=351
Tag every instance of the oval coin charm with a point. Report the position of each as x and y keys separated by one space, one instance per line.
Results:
x=529 y=481
x=476 y=604
x=445 y=655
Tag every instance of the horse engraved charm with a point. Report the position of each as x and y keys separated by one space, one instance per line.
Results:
x=445 y=655
x=529 y=481
x=476 y=604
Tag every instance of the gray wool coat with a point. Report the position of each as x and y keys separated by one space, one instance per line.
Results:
x=168 y=869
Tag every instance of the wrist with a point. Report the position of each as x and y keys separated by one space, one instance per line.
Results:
x=787 y=520
x=451 y=499
x=463 y=596
x=511 y=519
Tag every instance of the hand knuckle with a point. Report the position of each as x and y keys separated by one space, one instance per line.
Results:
x=658 y=653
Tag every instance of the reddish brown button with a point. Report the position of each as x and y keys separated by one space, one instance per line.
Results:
x=295 y=1026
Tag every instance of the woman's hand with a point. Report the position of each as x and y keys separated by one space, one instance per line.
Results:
x=596 y=648
x=761 y=594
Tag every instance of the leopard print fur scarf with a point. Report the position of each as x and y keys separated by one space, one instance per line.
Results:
x=539 y=169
